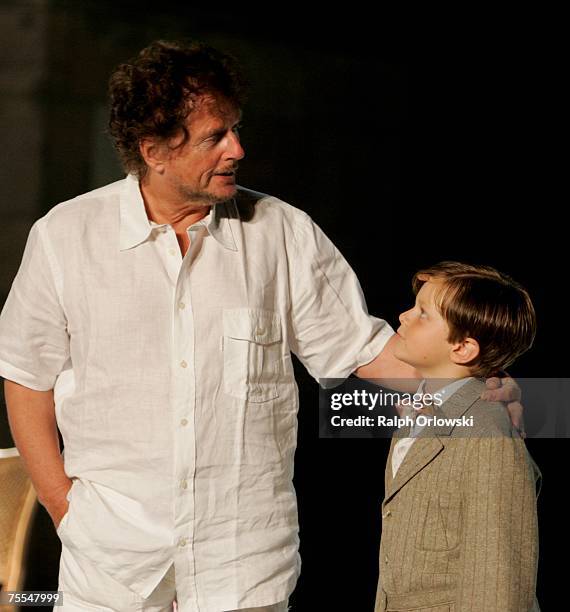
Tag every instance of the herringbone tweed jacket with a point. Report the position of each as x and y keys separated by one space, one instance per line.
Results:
x=459 y=521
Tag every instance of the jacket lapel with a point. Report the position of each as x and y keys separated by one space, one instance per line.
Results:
x=420 y=455
x=417 y=458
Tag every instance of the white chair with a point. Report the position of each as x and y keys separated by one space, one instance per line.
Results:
x=18 y=502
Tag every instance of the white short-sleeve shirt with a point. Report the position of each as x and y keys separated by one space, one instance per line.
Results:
x=176 y=398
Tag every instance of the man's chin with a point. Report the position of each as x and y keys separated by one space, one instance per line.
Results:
x=222 y=195
x=208 y=198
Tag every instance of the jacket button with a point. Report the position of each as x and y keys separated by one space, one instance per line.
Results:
x=387 y=514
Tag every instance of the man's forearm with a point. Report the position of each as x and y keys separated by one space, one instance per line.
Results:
x=31 y=415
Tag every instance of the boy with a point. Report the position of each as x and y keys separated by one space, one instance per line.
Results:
x=459 y=523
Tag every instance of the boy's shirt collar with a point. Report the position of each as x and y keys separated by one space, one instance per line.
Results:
x=444 y=394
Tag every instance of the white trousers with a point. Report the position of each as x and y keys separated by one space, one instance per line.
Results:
x=87 y=589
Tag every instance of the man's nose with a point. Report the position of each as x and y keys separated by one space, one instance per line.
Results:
x=234 y=149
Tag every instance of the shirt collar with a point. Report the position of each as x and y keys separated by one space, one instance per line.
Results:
x=135 y=226
x=443 y=394
x=446 y=392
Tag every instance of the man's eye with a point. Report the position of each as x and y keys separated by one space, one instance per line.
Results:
x=215 y=138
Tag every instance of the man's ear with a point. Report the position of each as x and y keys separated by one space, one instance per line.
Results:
x=153 y=153
x=465 y=351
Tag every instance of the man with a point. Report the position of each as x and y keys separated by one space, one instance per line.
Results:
x=165 y=306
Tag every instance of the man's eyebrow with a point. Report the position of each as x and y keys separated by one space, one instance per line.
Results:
x=215 y=132
x=220 y=131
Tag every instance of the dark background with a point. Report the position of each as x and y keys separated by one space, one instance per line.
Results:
x=409 y=139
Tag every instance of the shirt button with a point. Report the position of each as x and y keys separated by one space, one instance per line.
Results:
x=182 y=542
x=181 y=305
x=259 y=331
x=172 y=251
x=184 y=484
x=184 y=422
x=183 y=364
x=386 y=559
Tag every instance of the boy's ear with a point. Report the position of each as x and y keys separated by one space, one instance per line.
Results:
x=153 y=153
x=465 y=351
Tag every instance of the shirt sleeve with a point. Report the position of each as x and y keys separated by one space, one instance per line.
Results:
x=34 y=342
x=332 y=332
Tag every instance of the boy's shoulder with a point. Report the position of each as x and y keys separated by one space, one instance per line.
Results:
x=490 y=418
x=483 y=417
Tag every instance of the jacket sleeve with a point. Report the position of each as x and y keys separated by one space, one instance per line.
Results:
x=500 y=534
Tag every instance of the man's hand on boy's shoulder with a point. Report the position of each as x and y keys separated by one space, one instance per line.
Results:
x=506 y=390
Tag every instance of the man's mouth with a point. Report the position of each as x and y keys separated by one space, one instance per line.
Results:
x=229 y=172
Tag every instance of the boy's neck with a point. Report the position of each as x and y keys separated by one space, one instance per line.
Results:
x=437 y=378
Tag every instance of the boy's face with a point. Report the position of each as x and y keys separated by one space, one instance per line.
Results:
x=422 y=336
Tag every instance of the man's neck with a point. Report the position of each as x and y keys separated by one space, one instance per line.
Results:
x=163 y=207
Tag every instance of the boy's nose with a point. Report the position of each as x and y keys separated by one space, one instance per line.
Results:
x=402 y=317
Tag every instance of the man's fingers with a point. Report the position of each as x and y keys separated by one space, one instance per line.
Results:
x=511 y=390
x=493 y=382
x=506 y=391
x=516 y=411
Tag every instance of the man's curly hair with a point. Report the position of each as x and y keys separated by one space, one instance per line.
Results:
x=152 y=94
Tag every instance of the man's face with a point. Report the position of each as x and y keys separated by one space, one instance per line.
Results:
x=422 y=336
x=203 y=170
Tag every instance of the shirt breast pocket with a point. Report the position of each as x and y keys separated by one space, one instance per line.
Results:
x=252 y=349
